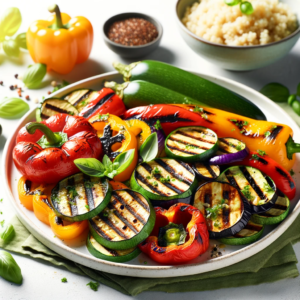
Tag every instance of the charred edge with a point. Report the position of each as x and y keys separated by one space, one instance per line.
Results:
x=275 y=133
x=207 y=199
x=59 y=221
x=56 y=109
x=270 y=182
x=185 y=133
x=98 y=105
x=163 y=119
x=253 y=184
x=113 y=227
x=138 y=200
x=187 y=167
x=149 y=185
x=199 y=238
x=27 y=186
x=254 y=227
x=159 y=249
x=86 y=95
x=89 y=194
x=44 y=117
x=99 y=231
x=45 y=200
x=263 y=161
x=286 y=176
x=183 y=208
x=231 y=179
x=112 y=252
x=74 y=209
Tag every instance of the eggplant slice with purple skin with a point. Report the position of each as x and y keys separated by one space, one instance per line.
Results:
x=258 y=188
x=230 y=150
x=226 y=210
x=206 y=172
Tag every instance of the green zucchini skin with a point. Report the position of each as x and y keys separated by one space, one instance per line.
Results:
x=193 y=86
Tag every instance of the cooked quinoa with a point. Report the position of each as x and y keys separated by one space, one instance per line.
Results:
x=217 y=22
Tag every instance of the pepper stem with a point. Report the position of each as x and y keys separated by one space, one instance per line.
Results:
x=117 y=87
x=58 y=21
x=125 y=70
x=291 y=148
x=52 y=138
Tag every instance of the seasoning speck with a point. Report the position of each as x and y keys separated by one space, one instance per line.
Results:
x=1 y=82
x=27 y=97
x=16 y=76
x=215 y=251
x=49 y=92
x=12 y=87
x=132 y=32
x=54 y=83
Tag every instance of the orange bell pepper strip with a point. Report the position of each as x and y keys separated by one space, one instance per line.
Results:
x=140 y=129
x=42 y=208
x=116 y=185
x=60 y=42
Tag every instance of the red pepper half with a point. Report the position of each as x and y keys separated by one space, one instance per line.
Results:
x=196 y=242
x=171 y=117
x=49 y=158
x=107 y=103
x=282 y=178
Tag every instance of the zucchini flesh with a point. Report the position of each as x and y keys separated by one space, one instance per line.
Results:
x=80 y=197
x=206 y=171
x=54 y=106
x=191 y=144
x=127 y=220
x=101 y=252
x=81 y=98
x=230 y=145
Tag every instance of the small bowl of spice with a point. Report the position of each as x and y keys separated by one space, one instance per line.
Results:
x=132 y=35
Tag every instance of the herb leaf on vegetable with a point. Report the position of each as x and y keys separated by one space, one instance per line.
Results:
x=124 y=159
x=90 y=166
x=149 y=148
x=9 y=269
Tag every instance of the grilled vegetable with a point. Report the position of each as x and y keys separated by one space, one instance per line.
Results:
x=140 y=129
x=108 y=254
x=190 y=85
x=127 y=220
x=191 y=144
x=276 y=214
x=258 y=188
x=81 y=98
x=227 y=212
x=230 y=150
x=207 y=172
x=250 y=234
x=164 y=181
x=54 y=106
x=161 y=138
x=80 y=197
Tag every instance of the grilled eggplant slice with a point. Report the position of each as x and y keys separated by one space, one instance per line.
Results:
x=276 y=214
x=165 y=181
x=191 y=144
x=226 y=210
x=258 y=188
x=80 y=197
x=54 y=106
x=250 y=234
x=207 y=172
x=127 y=220
x=101 y=252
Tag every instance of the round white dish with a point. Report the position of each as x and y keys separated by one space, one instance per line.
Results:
x=142 y=266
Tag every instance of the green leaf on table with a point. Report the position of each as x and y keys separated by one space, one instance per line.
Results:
x=11 y=48
x=90 y=166
x=276 y=92
x=34 y=75
x=10 y=22
x=9 y=269
x=124 y=160
x=21 y=40
x=149 y=148
x=13 y=108
x=8 y=233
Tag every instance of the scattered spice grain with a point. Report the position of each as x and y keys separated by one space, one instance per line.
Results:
x=132 y=32
x=27 y=97
x=12 y=87
x=16 y=76
x=1 y=82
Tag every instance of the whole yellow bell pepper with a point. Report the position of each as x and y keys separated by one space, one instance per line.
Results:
x=60 y=42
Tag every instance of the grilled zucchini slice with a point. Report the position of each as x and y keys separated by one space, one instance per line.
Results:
x=80 y=197
x=81 y=98
x=250 y=234
x=165 y=181
x=191 y=144
x=54 y=106
x=127 y=220
x=207 y=172
x=276 y=214
x=258 y=188
x=227 y=212
x=101 y=252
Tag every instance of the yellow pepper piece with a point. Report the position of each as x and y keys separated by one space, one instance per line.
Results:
x=141 y=130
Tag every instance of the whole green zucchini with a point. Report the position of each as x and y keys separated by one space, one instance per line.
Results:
x=190 y=85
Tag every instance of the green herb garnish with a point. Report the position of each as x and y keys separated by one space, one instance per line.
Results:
x=268 y=188
x=165 y=180
x=2 y=223
x=247 y=193
x=157 y=125
x=213 y=212
x=239 y=147
x=156 y=170
x=154 y=183
x=88 y=184
x=292 y=172
x=267 y=133
x=261 y=152
x=255 y=157
x=94 y=285
x=188 y=146
x=72 y=191
x=87 y=207
x=245 y=123
x=64 y=279
x=103 y=117
x=198 y=109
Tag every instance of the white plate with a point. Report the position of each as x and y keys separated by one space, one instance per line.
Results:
x=142 y=266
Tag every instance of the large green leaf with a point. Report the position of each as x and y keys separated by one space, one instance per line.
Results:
x=9 y=269
x=13 y=108
x=149 y=148
x=124 y=159
x=10 y=22
x=90 y=166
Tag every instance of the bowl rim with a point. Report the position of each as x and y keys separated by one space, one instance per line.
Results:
x=154 y=21
x=200 y=39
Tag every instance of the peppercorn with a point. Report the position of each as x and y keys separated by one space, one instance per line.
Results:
x=1 y=82
x=16 y=76
x=49 y=92
x=27 y=97
x=12 y=87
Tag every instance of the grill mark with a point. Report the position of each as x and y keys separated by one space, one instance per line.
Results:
x=231 y=179
x=98 y=105
x=149 y=185
x=173 y=172
x=180 y=141
x=270 y=182
x=27 y=186
x=286 y=176
x=229 y=144
x=181 y=150
x=59 y=221
x=274 y=133
x=187 y=167
x=128 y=224
x=56 y=109
x=113 y=227
x=210 y=170
x=280 y=207
x=89 y=195
x=138 y=200
x=263 y=161
x=98 y=229
x=43 y=116
x=86 y=95
x=74 y=209
x=253 y=227
x=129 y=208
x=253 y=184
x=163 y=119
x=185 y=133
x=226 y=211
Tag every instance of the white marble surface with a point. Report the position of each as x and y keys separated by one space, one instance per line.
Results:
x=43 y=281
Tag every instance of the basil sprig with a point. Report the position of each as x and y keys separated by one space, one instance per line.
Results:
x=9 y=269
x=13 y=108
x=149 y=148
x=34 y=75
x=8 y=233
x=93 y=167
x=245 y=6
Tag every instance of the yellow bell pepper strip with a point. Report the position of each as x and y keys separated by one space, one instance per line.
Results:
x=273 y=138
x=42 y=208
x=140 y=129
x=60 y=42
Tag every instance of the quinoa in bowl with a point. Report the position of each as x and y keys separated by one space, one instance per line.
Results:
x=215 y=21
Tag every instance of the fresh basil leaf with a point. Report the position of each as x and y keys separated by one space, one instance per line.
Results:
x=8 y=233
x=13 y=108
x=11 y=48
x=106 y=161
x=276 y=92
x=124 y=160
x=291 y=99
x=90 y=166
x=10 y=22
x=112 y=174
x=296 y=107
x=246 y=8
x=34 y=75
x=149 y=148
x=9 y=269
x=21 y=40
x=298 y=90
x=232 y=2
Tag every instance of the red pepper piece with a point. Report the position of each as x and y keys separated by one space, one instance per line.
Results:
x=197 y=240
x=107 y=103
x=55 y=163
x=171 y=117
x=283 y=180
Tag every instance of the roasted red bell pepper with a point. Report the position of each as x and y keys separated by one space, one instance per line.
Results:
x=46 y=156
x=170 y=116
x=106 y=103
x=168 y=243
x=282 y=178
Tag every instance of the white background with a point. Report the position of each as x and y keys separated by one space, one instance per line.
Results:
x=43 y=281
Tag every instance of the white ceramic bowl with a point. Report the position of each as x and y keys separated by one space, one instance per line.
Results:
x=238 y=58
